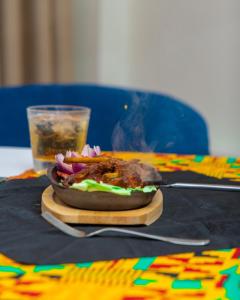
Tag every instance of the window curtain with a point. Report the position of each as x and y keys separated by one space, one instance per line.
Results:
x=35 y=41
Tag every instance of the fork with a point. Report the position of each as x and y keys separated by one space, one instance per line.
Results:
x=203 y=186
x=81 y=234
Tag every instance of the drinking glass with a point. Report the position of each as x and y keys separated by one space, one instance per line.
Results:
x=56 y=129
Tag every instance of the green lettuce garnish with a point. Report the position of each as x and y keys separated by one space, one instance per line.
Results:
x=89 y=185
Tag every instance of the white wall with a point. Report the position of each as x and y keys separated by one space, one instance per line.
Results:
x=85 y=39
x=186 y=48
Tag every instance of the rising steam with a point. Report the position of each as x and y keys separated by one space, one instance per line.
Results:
x=129 y=133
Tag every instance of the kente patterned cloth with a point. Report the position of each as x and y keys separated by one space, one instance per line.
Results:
x=212 y=274
x=207 y=275
x=214 y=166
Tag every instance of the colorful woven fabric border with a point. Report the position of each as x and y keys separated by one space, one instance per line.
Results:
x=218 y=167
x=209 y=275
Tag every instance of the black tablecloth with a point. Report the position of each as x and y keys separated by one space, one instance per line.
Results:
x=26 y=237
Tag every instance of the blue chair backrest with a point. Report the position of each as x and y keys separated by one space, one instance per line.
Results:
x=121 y=119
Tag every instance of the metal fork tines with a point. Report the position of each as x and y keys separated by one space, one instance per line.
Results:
x=80 y=233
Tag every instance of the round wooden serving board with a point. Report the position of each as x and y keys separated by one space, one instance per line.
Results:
x=145 y=215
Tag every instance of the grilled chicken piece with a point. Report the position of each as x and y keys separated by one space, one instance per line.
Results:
x=116 y=172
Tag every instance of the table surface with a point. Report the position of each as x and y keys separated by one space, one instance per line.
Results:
x=14 y=160
x=205 y=274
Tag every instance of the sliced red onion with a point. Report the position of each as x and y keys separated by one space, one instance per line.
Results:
x=97 y=150
x=85 y=150
x=75 y=154
x=63 y=167
x=77 y=167
x=71 y=154
x=91 y=152
x=68 y=154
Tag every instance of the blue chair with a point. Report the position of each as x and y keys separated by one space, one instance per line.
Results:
x=121 y=119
